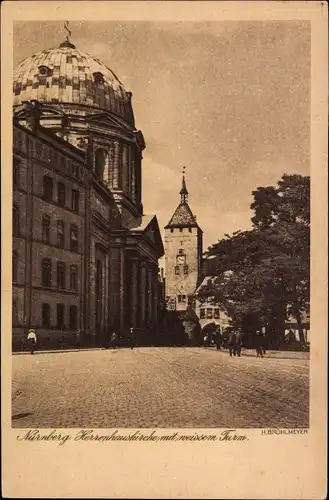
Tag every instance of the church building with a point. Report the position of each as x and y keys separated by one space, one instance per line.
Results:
x=85 y=255
x=183 y=255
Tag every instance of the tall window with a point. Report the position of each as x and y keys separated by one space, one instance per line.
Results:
x=45 y=315
x=45 y=228
x=15 y=221
x=216 y=313
x=46 y=272
x=75 y=200
x=61 y=275
x=60 y=315
x=202 y=313
x=74 y=238
x=48 y=188
x=16 y=170
x=100 y=158
x=209 y=313
x=185 y=269
x=176 y=270
x=73 y=317
x=15 y=265
x=74 y=278
x=60 y=234
x=61 y=194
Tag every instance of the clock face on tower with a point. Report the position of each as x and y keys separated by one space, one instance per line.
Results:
x=180 y=259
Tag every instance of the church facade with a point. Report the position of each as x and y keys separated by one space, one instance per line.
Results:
x=85 y=255
x=183 y=255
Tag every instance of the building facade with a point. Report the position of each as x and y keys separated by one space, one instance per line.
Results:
x=183 y=254
x=209 y=312
x=85 y=256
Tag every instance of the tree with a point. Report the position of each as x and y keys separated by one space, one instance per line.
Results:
x=268 y=265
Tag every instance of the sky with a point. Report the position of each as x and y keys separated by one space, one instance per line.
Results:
x=230 y=100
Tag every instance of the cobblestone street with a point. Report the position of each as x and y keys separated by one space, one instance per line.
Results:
x=158 y=387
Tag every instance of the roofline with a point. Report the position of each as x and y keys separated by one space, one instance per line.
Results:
x=169 y=226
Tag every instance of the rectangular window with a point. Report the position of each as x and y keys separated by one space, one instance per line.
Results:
x=60 y=234
x=16 y=228
x=216 y=313
x=181 y=298
x=60 y=315
x=180 y=229
x=74 y=278
x=209 y=313
x=176 y=270
x=45 y=229
x=16 y=170
x=190 y=230
x=61 y=275
x=185 y=269
x=46 y=315
x=202 y=313
x=48 y=188
x=74 y=239
x=73 y=317
x=75 y=201
x=61 y=194
x=15 y=265
x=46 y=272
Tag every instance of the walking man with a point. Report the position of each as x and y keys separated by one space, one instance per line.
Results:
x=32 y=340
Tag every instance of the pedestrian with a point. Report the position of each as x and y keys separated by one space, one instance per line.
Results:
x=78 y=339
x=114 y=340
x=32 y=340
x=131 y=338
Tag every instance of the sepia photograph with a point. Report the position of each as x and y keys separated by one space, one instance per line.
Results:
x=164 y=249
x=161 y=224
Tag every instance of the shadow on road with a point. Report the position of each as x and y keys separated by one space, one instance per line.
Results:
x=22 y=415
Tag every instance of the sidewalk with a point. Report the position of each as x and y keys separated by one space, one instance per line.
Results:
x=54 y=351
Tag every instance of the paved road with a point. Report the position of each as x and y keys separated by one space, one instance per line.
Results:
x=158 y=387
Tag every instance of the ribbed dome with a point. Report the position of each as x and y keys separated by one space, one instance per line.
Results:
x=66 y=75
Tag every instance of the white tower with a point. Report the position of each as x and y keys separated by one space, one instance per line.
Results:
x=183 y=253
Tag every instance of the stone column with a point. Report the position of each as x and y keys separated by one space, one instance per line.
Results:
x=150 y=292
x=125 y=169
x=116 y=169
x=133 y=174
x=142 y=294
x=134 y=293
x=122 y=289
x=155 y=297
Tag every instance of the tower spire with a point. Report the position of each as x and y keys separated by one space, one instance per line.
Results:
x=183 y=192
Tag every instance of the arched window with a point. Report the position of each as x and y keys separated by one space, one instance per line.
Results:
x=45 y=315
x=45 y=228
x=61 y=194
x=73 y=317
x=48 y=188
x=15 y=265
x=15 y=221
x=46 y=272
x=74 y=238
x=100 y=159
x=60 y=234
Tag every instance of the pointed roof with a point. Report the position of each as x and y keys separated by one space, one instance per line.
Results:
x=183 y=216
